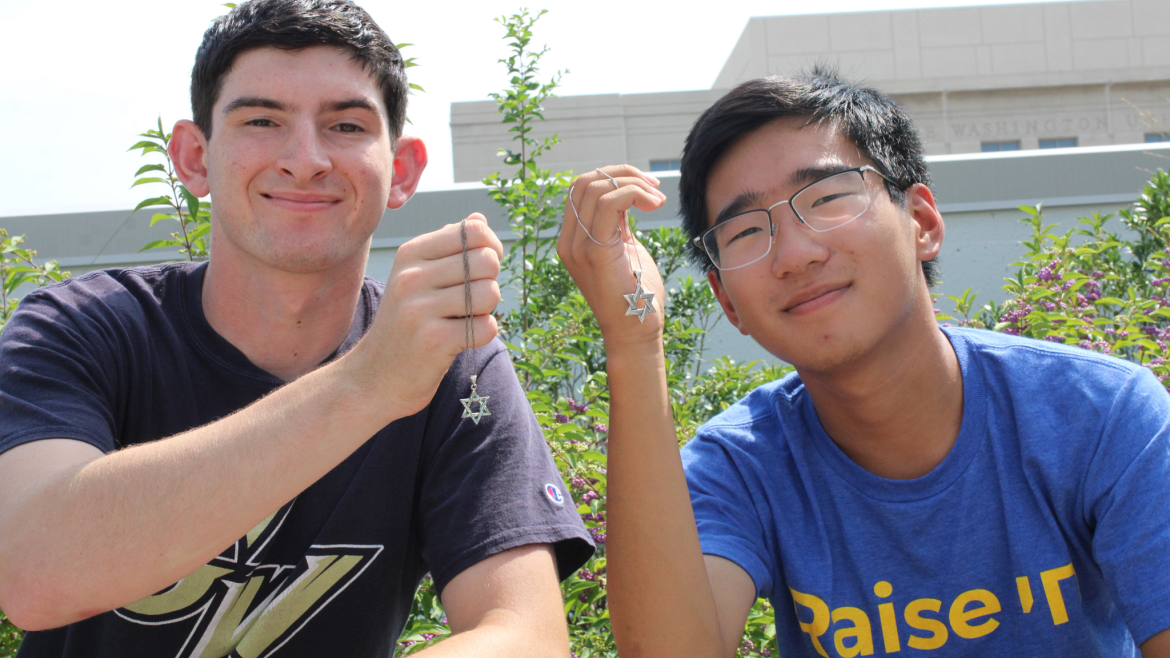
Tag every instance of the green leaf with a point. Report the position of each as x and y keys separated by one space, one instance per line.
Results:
x=150 y=167
x=142 y=181
x=191 y=199
x=153 y=201
x=158 y=244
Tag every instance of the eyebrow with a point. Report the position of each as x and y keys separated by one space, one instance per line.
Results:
x=253 y=101
x=269 y=104
x=350 y=104
x=754 y=199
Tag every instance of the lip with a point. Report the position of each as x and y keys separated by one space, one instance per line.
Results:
x=815 y=298
x=301 y=201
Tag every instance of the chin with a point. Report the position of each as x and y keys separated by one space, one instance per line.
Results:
x=819 y=353
x=299 y=259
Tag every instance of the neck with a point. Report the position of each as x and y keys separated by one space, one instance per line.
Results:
x=286 y=323
x=897 y=411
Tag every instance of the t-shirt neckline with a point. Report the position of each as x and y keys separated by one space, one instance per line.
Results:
x=972 y=434
x=222 y=352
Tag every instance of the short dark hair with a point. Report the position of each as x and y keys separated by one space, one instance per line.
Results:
x=872 y=121
x=295 y=25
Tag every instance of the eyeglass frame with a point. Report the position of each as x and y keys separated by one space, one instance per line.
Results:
x=698 y=242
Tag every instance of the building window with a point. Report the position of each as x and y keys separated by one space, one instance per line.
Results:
x=1058 y=143
x=665 y=165
x=1157 y=137
x=989 y=147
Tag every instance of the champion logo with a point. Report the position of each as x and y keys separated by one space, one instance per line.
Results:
x=554 y=494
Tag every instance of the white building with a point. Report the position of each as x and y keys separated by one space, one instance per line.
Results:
x=974 y=79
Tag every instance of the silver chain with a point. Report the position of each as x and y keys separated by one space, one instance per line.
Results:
x=475 y=399
x=468 y=325
x=630 y=244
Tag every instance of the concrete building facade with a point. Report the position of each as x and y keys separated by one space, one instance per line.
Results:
x=977 y=193
x=973 y=79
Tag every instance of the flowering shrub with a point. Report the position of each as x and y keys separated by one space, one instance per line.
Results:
x=1093 y=288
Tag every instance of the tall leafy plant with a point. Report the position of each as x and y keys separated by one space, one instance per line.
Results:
x=178 y=204
x=531 y=197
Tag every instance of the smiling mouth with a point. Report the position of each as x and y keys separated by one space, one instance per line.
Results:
x=302 y=202
x=817 y=300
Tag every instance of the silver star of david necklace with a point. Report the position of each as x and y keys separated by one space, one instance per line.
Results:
x=474 y=406
x=624 y=230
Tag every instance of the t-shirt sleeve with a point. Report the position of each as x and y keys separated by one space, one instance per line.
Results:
x=54 y=380
x=725 y=512
x=491 y=487
x=1127 y=501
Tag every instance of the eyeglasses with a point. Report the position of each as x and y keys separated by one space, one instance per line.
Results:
x=822 y=205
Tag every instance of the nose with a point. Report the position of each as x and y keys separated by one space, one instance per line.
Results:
x=304 y=156
x=795 y=247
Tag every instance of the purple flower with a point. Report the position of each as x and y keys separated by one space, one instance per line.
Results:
x=562 y=418
x=600 y=428
x=589 y=496
x=1053 y=338
x=598 y=534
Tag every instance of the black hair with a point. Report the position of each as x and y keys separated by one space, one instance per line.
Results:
x=872 y=121
x=295 y=25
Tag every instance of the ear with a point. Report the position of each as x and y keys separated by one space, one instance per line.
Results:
x=929 y=227
x=410 y=158
x=724 y=300
x=188 y=150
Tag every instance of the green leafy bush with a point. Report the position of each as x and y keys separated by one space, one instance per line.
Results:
x=18 y=268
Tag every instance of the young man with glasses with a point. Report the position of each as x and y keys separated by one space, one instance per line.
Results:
x=952 y=491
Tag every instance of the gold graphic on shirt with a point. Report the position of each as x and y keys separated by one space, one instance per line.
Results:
x=236 y=605
x=971 y=615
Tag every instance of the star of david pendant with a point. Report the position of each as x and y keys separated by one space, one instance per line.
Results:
x=632 y=300
x=475 y=399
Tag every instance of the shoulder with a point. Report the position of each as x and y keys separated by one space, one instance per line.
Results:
x=758 y=424
x=111 y=296
x=1028 y=365
x=114 y=285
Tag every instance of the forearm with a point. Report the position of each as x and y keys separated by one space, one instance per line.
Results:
x=106 y=533
x=503 y=636
x=660 y=598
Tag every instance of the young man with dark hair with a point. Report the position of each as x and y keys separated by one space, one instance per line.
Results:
x=263 y=454
x=948 y=490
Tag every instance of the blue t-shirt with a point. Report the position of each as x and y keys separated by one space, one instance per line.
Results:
x=1044 y=532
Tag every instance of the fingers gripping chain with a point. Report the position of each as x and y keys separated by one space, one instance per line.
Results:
x=627 y=246
x=476 y=399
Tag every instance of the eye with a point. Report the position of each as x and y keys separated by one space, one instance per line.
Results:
x=744 y=233
x=830 y=198
x=348 y=128
x=260 y=123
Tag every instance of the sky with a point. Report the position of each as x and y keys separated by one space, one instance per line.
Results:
x=79 y=79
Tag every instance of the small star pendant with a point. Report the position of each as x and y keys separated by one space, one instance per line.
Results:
x=475 y=399
x=638 y=294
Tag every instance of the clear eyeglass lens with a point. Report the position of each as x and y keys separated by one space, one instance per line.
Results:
x=740 y=240
x=833 y=201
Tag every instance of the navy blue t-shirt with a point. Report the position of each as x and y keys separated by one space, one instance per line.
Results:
x=120 y=357
x=1044 y=532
